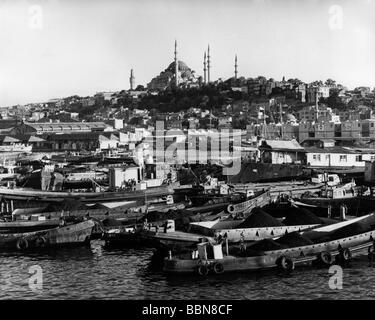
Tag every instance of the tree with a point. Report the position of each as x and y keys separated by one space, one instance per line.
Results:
x=333 y=101
x=295 y=81
x=140 y=88
x=317 y=83
x=330 y=83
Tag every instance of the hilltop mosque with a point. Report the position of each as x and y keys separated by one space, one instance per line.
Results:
x=179 y=75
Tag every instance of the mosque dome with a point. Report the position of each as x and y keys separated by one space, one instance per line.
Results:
x=182 y=66
x=168 y=78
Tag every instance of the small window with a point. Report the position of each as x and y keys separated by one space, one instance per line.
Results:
x=343 y=158
x=372 y=124
x=358 y=158
x=316 y=157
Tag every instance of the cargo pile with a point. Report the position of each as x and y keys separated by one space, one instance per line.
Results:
x=66 y=205
x=267 y=245
x=294 y=239
x=300 y=216
x=260 y=219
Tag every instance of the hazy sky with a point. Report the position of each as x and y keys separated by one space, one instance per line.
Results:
x=57 y=48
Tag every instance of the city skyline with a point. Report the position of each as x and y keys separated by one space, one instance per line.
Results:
x=61 y=48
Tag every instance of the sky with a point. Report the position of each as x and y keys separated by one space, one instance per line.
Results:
x=57 y=48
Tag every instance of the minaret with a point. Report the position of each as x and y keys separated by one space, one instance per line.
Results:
x=175 y=64
x=235 y=68
x=316 y=106
x=131 y=79
x=208 y=64
x=205 y=68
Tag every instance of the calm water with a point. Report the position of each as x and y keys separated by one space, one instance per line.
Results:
x=99 y=273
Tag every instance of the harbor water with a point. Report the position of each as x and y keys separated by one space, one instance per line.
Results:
x=96 y=272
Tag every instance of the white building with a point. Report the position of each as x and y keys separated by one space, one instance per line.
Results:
x=338 y=157
x=281 y=151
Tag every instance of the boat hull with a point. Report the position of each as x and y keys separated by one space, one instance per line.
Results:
x=27 y=226
x=268 y=260
x=72 y=234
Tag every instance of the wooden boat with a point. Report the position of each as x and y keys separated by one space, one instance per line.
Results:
x=126 y=236
x=210 y=257
x=157 y=234
x=334 y=196
x=244 y=208
x=21 y=226
x=177 y=240
x=33 y=194
x=233 y=233
x=69 y=234
x=133 y=235
x=229 y=230
x=27 y=198
x=294 y=188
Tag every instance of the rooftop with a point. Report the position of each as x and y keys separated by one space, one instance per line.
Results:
x=282 y=145
x=66 y=126
x=340 y=150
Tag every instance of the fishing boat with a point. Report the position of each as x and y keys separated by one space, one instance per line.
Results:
x=210 y=257
x=69 y=233
x=334 y=196
x=30 y=194
x=126 y=236
x=160 y=234
x=234 y=233
x=28 y=197
x=27 y=225
x=244 y=208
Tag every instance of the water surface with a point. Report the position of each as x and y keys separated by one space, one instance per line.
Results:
x=100 y=273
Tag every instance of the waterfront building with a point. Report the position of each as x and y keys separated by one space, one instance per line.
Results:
x=59 y=127
x=281 y=152
x=338 y=157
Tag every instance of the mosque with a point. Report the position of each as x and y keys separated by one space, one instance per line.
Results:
x=179 y=75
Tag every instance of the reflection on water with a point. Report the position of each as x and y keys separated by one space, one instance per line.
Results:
x=100 y=273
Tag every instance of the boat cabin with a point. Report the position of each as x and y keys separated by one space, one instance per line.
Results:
x=349 y=190
x=329 y=179
x=207 y=251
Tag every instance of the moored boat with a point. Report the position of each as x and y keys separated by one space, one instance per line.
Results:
x=211 y=258
x=334 y=196
x=27 y=226
x=74 y=233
